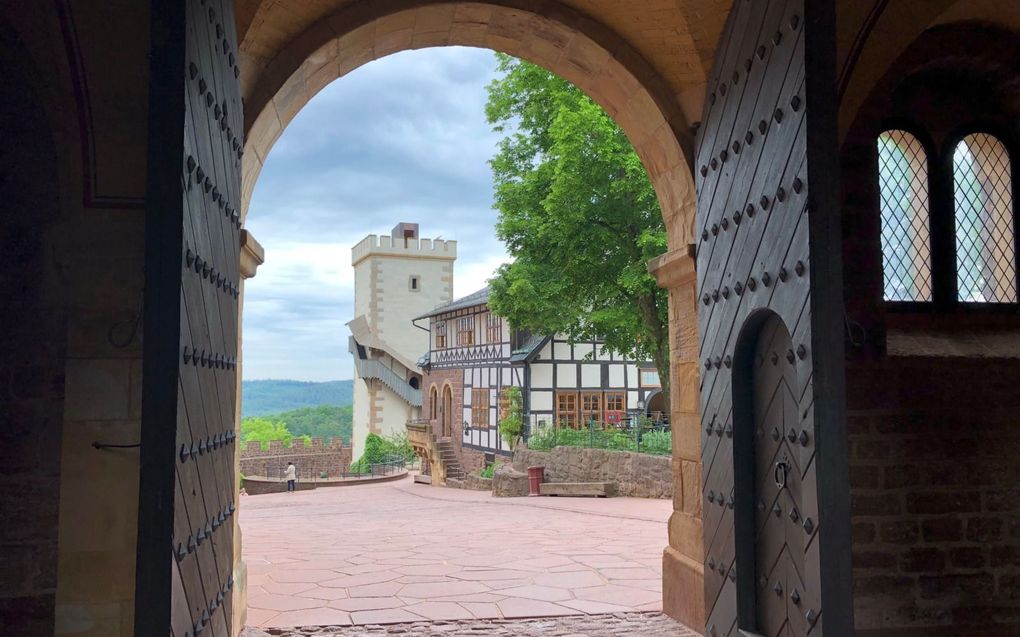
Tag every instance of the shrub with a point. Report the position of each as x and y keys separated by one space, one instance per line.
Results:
x=379 y=450
x=488 y=471
x=512 y=426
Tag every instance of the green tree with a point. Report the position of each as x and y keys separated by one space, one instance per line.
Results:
x=266 y=430
x=580 y=217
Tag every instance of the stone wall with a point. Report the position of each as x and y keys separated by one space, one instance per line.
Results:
x=330 y=456
x=637 y=475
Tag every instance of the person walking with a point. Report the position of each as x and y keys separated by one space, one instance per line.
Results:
x=291 y=476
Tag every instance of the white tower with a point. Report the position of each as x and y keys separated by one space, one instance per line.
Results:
x=396 y=278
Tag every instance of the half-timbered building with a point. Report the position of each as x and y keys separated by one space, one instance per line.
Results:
x=474 y=357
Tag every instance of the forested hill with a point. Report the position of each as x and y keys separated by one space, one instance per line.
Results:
x=260 y=397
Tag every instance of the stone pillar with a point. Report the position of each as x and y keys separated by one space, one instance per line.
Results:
x=252 y=256
x=683 y=591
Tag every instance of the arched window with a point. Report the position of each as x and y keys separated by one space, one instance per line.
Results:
x=985 y=233
x=906 y=234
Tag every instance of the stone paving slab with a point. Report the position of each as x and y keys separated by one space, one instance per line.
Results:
x=401 y=553
x=614 y=625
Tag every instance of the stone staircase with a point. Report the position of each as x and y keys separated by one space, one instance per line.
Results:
x=448 y=458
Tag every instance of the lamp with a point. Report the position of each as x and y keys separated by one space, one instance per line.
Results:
x=467 y=427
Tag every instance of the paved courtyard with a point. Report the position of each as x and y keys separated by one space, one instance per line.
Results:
x=399 y=552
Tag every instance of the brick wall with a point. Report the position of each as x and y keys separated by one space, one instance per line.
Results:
x=935 y=482
x=330 y=456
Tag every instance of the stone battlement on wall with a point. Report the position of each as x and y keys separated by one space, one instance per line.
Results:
x=331 y=456
x=375 y=245
x=254 y=448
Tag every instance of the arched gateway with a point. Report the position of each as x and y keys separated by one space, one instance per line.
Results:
x=161 y=113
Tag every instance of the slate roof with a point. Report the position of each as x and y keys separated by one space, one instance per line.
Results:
x=528 y=348
x=481 y=297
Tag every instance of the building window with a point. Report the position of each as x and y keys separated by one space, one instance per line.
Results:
x=480 y=408
x=985 y=232
x=493 y=328
x=616 y=401
x=441 y=335
x=566 y=409
x=466 y=330
x=906 y=233
x=650 y=378
x=591 y=407
x=414 y=283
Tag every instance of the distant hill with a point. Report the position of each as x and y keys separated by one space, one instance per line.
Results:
x=324 y=421
x=260 y=397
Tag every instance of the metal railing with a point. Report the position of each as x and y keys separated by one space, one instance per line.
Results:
x=635 y=433
x=371 y=368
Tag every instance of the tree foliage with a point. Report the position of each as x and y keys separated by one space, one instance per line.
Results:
x=578 y=214
x=265 y=430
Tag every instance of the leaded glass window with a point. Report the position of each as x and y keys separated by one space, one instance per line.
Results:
x=985 y=239
x=906 y=234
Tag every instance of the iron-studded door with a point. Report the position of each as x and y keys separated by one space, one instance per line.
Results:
x=768 y=263
x=186 y=555
x=785 y=600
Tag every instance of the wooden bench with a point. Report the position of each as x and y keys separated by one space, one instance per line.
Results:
x=578 y=489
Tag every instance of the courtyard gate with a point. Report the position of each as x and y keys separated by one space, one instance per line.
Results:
x=185 y=547
x=775 y=515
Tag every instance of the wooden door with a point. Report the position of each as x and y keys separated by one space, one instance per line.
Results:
x=768 y=259
x=447 y=412
x=185 y=552
x=784 y=597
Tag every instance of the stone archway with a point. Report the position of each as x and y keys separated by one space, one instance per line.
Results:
x=561 y=39
x=288 y=53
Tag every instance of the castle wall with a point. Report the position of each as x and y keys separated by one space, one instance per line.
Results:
x=330 y=456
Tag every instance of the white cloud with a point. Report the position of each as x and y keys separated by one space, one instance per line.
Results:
x=401 y=139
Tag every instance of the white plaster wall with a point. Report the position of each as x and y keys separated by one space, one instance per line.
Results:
x=397 y=304
x=393 y=410
x=359 y=418
x=566 y=376
x=582 y=350
x=616 y=375
x=632 y=376
x=541 y=375
x=541 y=401
x=561 y=351
x=591 y=375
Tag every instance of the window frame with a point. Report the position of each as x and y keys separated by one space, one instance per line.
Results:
x=442 y=332
x=1008 y=142
x=932 y=165
x=622 y=395
x=466 y=337
x=584 y=414
x=493 y=325
x=573 y=413
x=480 y=404
x=942 y=218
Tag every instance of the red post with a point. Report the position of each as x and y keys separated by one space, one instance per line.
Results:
x=536 y=475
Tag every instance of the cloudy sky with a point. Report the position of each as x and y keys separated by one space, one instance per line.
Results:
x=403 y=138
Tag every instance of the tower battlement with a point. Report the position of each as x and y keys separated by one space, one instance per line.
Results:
x=376 y=245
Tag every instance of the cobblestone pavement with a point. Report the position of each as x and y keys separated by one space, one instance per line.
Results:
x=399 y=553
x=615 y=625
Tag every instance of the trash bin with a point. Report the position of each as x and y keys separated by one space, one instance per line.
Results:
x=536 y=475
